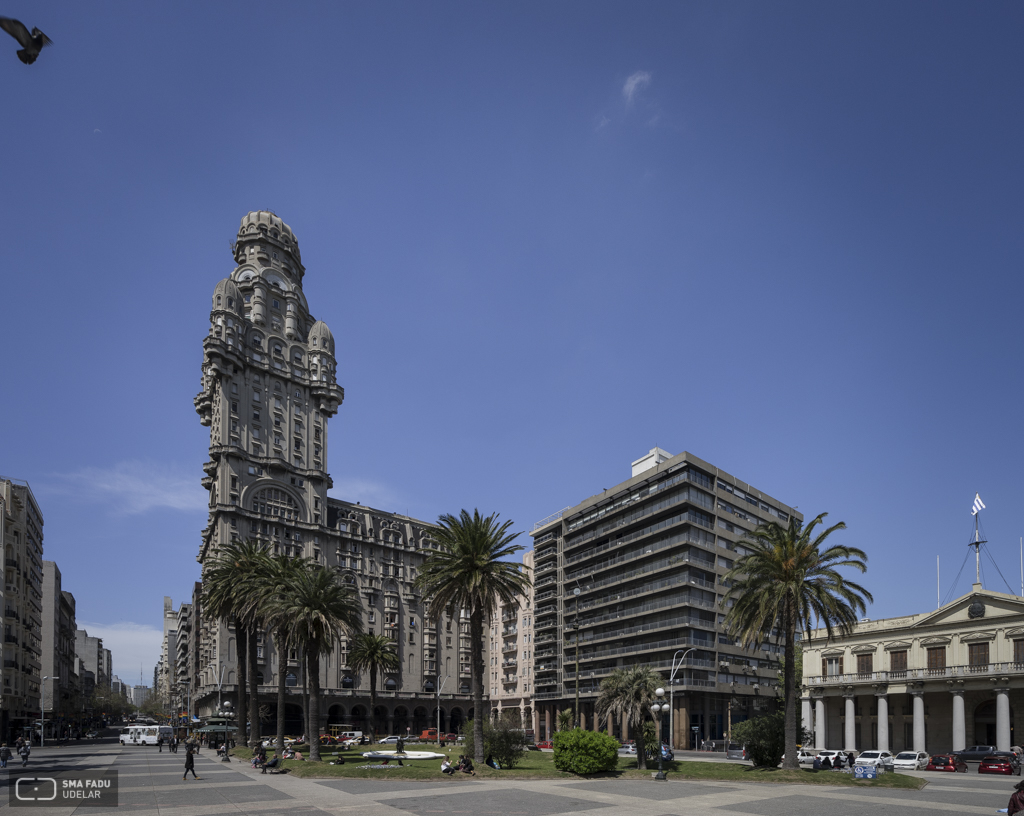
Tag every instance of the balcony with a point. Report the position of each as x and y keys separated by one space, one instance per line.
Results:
x=910 y=675
x=509 y=647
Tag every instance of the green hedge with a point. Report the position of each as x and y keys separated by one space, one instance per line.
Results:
x=585 y=752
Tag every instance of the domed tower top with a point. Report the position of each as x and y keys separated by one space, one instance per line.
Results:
x=320 y=338
x=227 y=297
x=264 y=235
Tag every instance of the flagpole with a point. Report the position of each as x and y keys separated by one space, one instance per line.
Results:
x=1022 y=566
x=938 y=591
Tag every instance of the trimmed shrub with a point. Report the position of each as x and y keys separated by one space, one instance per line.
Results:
x=765 y=738
x=505 y=742
x=585 y=752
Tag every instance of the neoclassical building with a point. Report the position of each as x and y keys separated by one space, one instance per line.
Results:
x=936 y=681
x=268 y=391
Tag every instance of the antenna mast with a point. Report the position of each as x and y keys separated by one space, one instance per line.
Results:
x=978 y=540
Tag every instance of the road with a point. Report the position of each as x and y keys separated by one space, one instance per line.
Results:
x=150 y=784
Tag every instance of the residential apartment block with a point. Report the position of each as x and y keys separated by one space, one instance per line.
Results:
x=63 y=693
x=21 y=531
x=635 y=575
x=268 y=392
x=510 y=666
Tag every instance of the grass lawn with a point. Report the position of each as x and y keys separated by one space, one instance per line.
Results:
x=541 y=765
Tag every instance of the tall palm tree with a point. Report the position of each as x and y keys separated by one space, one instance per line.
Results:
x=232 y=587
x=318 y=608
x=468 y=572
x=374 y=654
x=629 y=693
x=280 y=580
x=790 y=577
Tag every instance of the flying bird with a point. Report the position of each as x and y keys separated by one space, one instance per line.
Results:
x=31 y=43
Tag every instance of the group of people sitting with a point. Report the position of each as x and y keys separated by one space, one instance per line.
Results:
x=837 y=764
x=465 y=765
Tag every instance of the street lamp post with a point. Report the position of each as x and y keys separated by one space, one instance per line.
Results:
x=42 y=714
x=576 y=640
x=225 y=712
x=656 y=710
x=676 y=666
x=439 y=687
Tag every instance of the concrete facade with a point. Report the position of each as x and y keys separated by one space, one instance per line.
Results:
x=269 y=389
x=22 y=536
x=510 y=667
x=648 y=559
x=59 y=661
x=935 y=681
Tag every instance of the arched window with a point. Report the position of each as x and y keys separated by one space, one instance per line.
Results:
x=390 y=684
x=273 y=502
x=347 y=682
x=290 y=679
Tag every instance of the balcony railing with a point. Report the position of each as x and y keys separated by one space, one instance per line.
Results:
x=915 y=674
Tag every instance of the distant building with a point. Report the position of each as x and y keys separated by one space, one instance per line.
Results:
x=59 y=661
x=510 y=668
x=140 y=695
x=90 y=652
x=635 y=576
x=21 y=531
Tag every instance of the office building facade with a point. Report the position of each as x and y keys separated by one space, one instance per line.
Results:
x=635 y=575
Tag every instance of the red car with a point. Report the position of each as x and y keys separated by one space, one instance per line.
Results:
x=545 y=744
x=1003 y=762
x=946 y=762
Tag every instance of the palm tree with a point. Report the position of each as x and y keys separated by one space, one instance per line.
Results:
x=629 y=693
x=468 y=572
x=280 y=580
x=789 y=577
x=318 y=608
x=232 y=591
x=375 y=654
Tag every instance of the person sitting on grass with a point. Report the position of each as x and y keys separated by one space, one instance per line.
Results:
x=826 y=764
x=446 y=767
x=490 y=763
x=466 y=765
x=838 y=764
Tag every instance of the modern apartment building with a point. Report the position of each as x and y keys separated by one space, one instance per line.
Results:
x=62 y=702
x=22 y=536
x=510 y=666
x=635 y=575
x=91 y=653
x=269 y=390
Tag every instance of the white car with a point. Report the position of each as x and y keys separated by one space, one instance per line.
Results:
x=910 y=761
x=828 y=754
x=879 y=759
x=392 y=740
x=804 y=757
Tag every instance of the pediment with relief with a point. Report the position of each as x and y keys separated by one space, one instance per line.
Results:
x=898 y=646
x=972 y=607
x=935 y=641
x=864 y=649
x=971 y=637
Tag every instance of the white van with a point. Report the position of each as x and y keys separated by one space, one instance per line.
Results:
x=145 y=734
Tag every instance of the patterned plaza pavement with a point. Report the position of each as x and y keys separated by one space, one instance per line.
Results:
x=150 y=784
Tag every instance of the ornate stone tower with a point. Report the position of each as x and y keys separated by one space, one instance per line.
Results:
x=268 y=390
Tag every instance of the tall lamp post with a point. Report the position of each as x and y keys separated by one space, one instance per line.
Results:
x=439 y=687
x=656 y=710
x=677 y=664
x=225 y=713
x=576 y=640
x=42 y=714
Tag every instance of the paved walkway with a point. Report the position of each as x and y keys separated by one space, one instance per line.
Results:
x=150 y=784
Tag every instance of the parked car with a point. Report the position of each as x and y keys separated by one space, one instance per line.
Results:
x=877 y=759
x=951 y=763
x=829 y=754
x=803 y=755
x=392 y=740
x=545 y=744
x=976 y=753
x=1001 y=762
x=736 y=751
x=92 y=735
x=911 y=761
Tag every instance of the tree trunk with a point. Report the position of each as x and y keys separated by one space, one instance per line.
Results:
x=305 y=694
x=241 y=703
x=476 y=639
x=789 y=681
x=373 y=703
x=314 y=705
x=254 y=693
x=641 y=744
x=282 y=670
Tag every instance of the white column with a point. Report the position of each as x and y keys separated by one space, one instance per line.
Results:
x=918 y=720
x=806 y=719
x=1003 y=719
x=850 y=731
x=819 y=723
x=883 y=723
x=959 y=728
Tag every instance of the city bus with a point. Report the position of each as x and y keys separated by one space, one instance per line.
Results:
x=144 y=734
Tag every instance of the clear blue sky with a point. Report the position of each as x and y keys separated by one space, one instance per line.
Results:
x=547 y=237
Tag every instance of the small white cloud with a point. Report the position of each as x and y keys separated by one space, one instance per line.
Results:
x=97 y=130
x=602 y=122
x=134 y=647
x=635 y=83
x=653 y=121
x=134 y=487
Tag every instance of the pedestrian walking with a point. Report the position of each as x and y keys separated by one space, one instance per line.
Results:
x=5 y=754
x=24 y=751
x=190 y=765
x=160 y=743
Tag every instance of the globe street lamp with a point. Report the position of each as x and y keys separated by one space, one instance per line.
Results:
x=677 y=664
x=656 y=710
x=225 y=713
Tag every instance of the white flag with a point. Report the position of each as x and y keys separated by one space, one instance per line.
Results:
x=978 y=504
